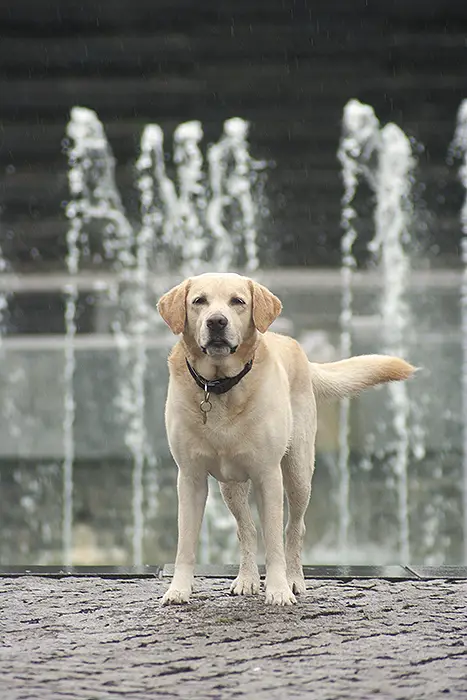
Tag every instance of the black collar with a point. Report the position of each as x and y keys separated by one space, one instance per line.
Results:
x=218 y=386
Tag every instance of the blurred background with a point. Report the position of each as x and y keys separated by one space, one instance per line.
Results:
x=143 y=141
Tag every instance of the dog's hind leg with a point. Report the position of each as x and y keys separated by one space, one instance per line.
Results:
x=235 y=496
x=297 y=470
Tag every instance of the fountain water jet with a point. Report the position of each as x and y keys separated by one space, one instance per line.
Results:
x=160 y=189
x=75 y=212
x=231 y=175
x=141 y=318
x=384 y=158
x=392 y=217
x=458 y=149
x=95 y=196
x=360 y=132
x=192 y=196
x=92 y=187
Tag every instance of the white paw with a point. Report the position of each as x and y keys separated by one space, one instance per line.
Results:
x=280 y=596
x=245 y=584
x=176 y=597
x=296 y=583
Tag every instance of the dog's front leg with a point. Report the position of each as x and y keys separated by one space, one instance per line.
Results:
x=192 y=494
x=270 y=495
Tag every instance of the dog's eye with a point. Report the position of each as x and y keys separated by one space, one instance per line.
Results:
x=198 y=301
x=237 y=301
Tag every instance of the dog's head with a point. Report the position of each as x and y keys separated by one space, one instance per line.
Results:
x=219 y=311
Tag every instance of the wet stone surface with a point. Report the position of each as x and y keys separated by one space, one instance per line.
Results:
x=98 y=638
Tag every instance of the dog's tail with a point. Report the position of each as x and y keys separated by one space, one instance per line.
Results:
x=348 y=377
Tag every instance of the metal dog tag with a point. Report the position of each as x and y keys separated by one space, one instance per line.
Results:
x=205 y=405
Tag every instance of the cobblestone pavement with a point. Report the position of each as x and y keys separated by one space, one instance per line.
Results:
x=98 y=638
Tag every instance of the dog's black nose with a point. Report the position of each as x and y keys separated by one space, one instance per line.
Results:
x=216 y=323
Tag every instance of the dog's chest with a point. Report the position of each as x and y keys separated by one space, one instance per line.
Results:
x=237 y=434
x=223 y=431
x=223 y=448
x=223 y=435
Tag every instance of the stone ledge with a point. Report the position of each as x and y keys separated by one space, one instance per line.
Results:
x=229 y=571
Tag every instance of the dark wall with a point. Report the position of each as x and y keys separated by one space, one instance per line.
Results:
x=289 y=67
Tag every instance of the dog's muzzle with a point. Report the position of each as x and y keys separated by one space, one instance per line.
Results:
x=218 y=343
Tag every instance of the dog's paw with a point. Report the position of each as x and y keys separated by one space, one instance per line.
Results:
x=297 y=583
x=280 y=596
x=176 y=597
x=245 y=584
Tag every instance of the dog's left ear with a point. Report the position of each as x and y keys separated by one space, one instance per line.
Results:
x=172 y=307
x=266 y=307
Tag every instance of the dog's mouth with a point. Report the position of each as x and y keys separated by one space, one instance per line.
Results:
x=219 y=346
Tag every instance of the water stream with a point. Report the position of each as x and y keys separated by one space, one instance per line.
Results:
x=383 y=157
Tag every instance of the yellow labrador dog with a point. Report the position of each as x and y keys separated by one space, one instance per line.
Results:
x=241 y=406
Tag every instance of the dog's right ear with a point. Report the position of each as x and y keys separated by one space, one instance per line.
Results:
x=172 y=307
